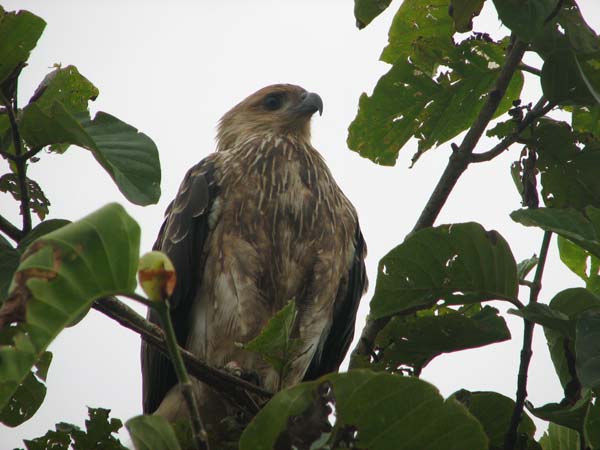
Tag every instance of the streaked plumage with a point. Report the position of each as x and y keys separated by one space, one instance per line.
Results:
x=255 y=224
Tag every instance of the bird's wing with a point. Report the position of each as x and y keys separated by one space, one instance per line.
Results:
x=182 y=237
x=341 y=332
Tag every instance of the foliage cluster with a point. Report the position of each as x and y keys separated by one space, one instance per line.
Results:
x=430 y=290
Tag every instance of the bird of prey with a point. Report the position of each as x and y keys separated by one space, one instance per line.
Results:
x=257 y=223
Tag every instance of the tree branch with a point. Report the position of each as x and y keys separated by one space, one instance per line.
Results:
x=539 y=110
x=511 y=435
x=10 y=230
x=457 y=164
x=527 y=68
x=21 y=165
x=236 y=389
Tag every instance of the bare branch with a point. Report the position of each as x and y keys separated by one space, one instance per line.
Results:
x=20 y=163
x=457 y=164
x=539 y=110
x=236 y=389
x=511 y=435
x=527 y=68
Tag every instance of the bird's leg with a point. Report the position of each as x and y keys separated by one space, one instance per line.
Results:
x=234 y=368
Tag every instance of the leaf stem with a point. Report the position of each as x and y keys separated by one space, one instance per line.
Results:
x=10 y=230
x=185 y=383
x=510 y=438
x=457 y=164
x=21 y=165
x=527 y=68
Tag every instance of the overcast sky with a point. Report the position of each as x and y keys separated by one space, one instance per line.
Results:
x=172 y=69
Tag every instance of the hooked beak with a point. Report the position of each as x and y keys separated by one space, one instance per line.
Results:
x=310 y=104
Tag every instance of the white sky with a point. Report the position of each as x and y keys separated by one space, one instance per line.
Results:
x=172 y=69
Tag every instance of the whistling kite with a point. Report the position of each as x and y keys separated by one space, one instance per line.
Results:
x=257 y=223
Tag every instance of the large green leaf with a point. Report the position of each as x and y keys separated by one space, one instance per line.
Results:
x=19 y=33
x=130 y=157
x=59 y=276
x=564 y=413
x=387 y=411
x=366 y=10
x=9 y=261
x=568 y=81
x=592 y=425
x=587 y=348
x=413 y=341
x=560 y=438
x=545 y=316
x=459 y=263
x=151 y=433
x=494 y=411
x=581 y=263
x=572 y=303
x=525 y=17
x=583 y=230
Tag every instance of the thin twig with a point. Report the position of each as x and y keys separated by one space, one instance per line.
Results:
x=10 y=230
x=21 y=165
x=457 y=164
x=527 y=68
x=233 y=387
x=510 y=438
x=185 y=383
x=539 y=110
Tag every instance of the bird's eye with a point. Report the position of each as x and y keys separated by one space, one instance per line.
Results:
x=273 y=102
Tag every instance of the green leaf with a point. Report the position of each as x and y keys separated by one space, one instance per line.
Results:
x=525 y=17
x=387 y=411
x=38 y=203
x=9 y=261
x=152 y=432
x=129 y=157
x=59 y=277
x=29 y=396
x=462 y=13
x=592 y=425
x=414 y=341
x=412 y=100
x=571 y=302
x=586 y=119
x=41 y=229
x=525 y=266
x=564 y=414
x=564 y=80
x=545 y=316
x=581 y=37
x=494 y=411
x=366 y=10
x=587 y=348
x=67 y=86
x=458 y=263
x=559 y=438
x=275 y=343
x=581 y=263
x=19 y=33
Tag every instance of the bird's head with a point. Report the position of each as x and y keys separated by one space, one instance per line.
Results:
x=277 y=109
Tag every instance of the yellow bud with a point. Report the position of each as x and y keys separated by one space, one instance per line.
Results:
x=156 y=275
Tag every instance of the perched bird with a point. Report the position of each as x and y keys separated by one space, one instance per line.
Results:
x=257 y=223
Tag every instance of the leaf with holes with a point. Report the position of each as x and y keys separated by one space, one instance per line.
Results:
x=459 y=264
x=369 y=402
x=413 y=341
x=59 y=276
x=38 y=203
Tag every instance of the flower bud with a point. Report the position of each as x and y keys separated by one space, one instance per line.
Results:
x=156 y=275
